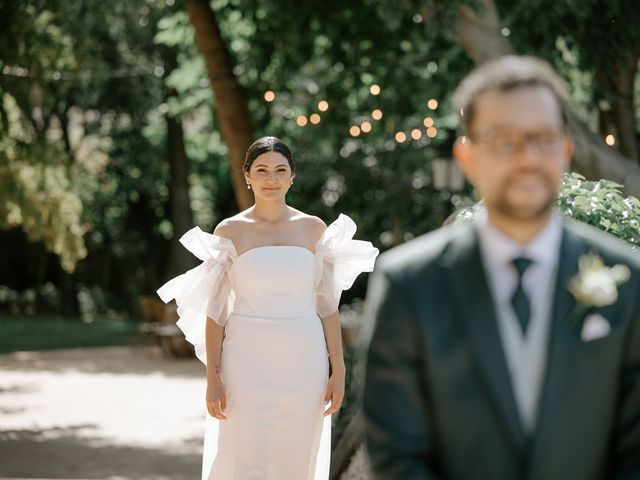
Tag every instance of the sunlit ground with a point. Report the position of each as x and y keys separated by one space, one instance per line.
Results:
x=105 y=413
x=100 y=413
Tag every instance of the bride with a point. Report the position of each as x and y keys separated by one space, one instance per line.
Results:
x=262 y=313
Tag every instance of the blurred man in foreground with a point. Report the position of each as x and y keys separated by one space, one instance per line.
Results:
x=508 y=348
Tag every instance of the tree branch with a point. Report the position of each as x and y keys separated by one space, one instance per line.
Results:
x=479 y=36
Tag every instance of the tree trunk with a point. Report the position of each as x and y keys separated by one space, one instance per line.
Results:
x=180 y=259
x=180 y=212
x=623 y=108
x=231 y=106
x=479 y=32
x=480 y=37
x=595 y=160
x=618 y=118
x=68 y=293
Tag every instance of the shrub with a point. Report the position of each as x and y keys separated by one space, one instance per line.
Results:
x=599 y=203
x=602 y=205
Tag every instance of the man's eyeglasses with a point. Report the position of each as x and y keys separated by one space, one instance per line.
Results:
x=506 y=142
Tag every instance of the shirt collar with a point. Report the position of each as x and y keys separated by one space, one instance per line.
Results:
x=543 y=249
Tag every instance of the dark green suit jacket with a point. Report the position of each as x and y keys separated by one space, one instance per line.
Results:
x=438 y=399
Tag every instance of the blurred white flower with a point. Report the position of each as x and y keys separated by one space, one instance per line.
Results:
x=596 y=285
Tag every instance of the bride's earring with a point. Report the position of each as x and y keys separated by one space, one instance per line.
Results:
x=248 y=186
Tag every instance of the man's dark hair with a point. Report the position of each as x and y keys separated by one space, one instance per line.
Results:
x=504 y=74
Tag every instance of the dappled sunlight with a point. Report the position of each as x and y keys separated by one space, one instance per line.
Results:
x=97 y=403
x=61 y=453
x=116 y=360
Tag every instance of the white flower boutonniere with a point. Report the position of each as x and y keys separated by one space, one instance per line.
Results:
x=595 y=285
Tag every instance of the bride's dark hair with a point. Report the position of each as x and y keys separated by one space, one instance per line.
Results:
x=264 y=145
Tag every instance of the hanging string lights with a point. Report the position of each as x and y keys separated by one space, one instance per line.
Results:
x=366 y=126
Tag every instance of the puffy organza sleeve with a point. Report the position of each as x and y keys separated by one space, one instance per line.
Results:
x=339 y=260
x=203 y=291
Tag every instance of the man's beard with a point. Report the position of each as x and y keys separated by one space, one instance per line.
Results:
x=505 y=206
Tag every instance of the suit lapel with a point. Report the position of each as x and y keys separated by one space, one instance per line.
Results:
x=564 y=338
x=477 y=315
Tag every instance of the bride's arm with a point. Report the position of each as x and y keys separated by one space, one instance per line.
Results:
x=333 y=338
x=214 y=332
x=216 y=398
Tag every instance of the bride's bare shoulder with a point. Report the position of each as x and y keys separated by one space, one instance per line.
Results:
x=231 y=227
x=314 y=225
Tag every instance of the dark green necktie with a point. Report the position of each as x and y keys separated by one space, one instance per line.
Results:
x=520 y=301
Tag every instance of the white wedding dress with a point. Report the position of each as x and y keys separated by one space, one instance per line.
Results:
x=274 y=358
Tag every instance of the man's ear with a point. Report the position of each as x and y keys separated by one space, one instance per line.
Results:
x=464 y=158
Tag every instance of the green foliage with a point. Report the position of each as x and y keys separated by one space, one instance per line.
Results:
x=598 y=203
x=18 y=333
x=37 y=196
x=586 y=40
x=602 y=205
x=36 y=191
x=86 y=87
x=78 y=80
x=329 y=50
x=332 y=51
x=601 y=31
x=45 y=298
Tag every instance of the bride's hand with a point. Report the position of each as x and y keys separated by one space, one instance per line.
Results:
x=335 y=392
x=216 y=398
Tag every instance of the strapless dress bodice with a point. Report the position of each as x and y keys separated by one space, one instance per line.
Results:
x=274 y=282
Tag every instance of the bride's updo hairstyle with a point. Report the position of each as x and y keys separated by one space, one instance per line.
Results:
x=264 y=145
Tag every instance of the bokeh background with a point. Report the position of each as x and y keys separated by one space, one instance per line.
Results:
x=124 y=123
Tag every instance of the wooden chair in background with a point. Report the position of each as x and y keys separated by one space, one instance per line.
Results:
x=158 y=328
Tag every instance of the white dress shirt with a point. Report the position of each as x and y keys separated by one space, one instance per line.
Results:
x=526 y=354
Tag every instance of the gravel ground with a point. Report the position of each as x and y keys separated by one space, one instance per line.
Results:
x=100 y=413
x=105 y=413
